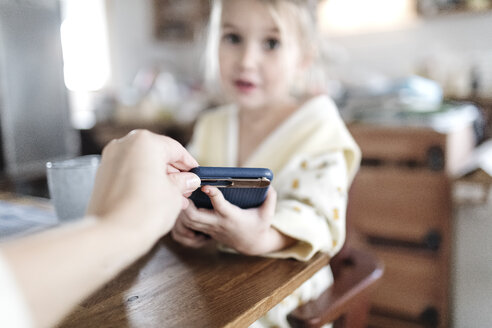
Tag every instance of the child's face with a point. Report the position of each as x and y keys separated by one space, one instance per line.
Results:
x=258 y=63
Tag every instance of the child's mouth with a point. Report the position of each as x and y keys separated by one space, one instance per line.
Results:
x=244 y=86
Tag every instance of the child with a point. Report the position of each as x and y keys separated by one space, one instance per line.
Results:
x=263 y=49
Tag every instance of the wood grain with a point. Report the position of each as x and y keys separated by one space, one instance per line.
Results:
x=400 y=204
x=412 y=144
x=411 y=283
x=174 y=286
x=401 y=209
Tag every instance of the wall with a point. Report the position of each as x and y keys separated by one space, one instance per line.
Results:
x=451 y=45
x=457 y=41
x=133 y=46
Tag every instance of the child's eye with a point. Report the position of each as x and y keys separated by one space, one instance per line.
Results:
x=271 y=44
x=232 y=38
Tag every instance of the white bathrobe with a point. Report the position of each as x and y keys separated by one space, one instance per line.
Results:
x=314 y=159
x=14 y=311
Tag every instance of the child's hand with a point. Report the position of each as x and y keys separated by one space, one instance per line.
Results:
x=247 y=231
x=188 y=237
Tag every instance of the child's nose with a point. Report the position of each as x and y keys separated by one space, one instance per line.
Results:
x=249 y=56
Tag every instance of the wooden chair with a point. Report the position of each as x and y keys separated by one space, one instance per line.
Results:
x=346 y=302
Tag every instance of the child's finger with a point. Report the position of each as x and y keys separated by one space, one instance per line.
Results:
x=198 y=219
x=187 y=237
x=267 y=209
x=220 y=204
x=181 y=230
x=193 y=242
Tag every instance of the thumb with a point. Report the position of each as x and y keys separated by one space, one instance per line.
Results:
x=219 y=203
x=186 y=182
x=267 y=209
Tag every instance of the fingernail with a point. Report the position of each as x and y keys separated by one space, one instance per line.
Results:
x=193 y=182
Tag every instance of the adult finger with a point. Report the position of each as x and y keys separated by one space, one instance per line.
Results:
x=176 y=155
x=184 y=202
x=173 y=152
x=185 y=181
x=172 y=169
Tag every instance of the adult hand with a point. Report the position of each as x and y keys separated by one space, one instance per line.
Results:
x=141 y=183
x=137 y=196
x=248 y=231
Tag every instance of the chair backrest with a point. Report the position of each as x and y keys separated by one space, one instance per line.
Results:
x=346 y=302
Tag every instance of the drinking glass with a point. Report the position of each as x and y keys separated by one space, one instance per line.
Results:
x=70 y=184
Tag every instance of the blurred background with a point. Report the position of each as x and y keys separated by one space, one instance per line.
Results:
x=412 y=79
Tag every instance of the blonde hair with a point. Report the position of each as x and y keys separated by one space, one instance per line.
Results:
x=283 y=12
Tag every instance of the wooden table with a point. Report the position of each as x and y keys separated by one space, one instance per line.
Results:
x=174 y=286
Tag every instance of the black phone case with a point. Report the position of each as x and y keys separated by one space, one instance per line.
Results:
x=242 y=197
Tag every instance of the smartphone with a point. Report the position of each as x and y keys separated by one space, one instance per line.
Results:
x=245 y=187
